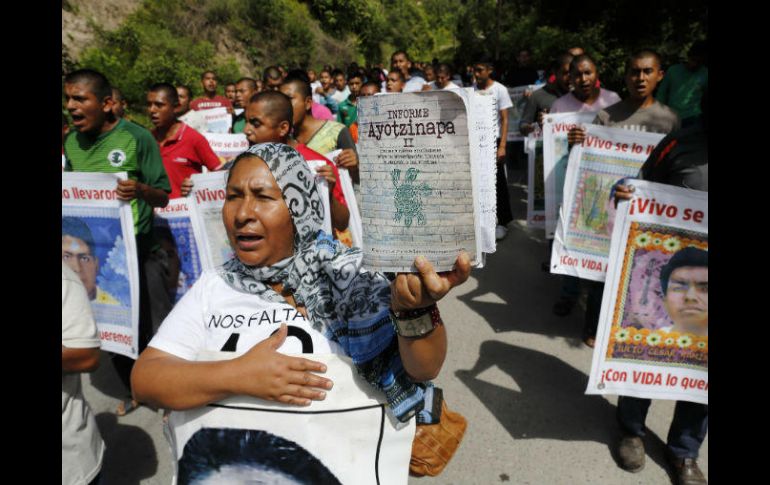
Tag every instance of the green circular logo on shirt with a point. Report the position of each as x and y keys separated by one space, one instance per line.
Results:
x=116 y=158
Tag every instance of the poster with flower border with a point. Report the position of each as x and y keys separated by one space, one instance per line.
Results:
x=98 y=243
x=582 y=239
x=652 y=340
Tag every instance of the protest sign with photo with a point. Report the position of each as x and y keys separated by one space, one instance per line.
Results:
x=174 y=231
x=555 y=156
x=98 y=243
x=349 y=437
x=582 y=240
x=652 y=340
x=533 y=147
x=205 y=204
x=218 y=120
x=519 y=100
x=227 y=146
x=420 y=195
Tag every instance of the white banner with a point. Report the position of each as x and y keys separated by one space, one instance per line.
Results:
x=218 y=120
x=582 y=241
x=652 y=340
x=346 y=184
x=205 y=204
x=419 y=192
x=555 y=156
x=533 y=147
x=348 y=438
x=98 y=243
x=483 y=130
x=174 y=229
x=227 y=146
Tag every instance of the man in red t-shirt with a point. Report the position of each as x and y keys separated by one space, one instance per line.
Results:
x=269 y=116
x=210 y=98
x=184 y=150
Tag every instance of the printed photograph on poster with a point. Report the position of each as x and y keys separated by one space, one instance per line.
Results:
x=205 y=205
x=652 y=337
x=662 y=311
x=218 y=120
x=242 y=435
x=519 y=99
x=555 y=156
x=98 y=244
x=582 y=238
x=93 y=248
x=231 y=455
x=588 y=228
x=174 y=232
x=535 y=183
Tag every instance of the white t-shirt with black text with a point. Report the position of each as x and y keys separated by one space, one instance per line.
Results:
x=212 y=316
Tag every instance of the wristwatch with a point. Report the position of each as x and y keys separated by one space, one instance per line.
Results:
x=416 y=323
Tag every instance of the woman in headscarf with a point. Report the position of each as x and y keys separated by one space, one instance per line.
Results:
x=286 y=270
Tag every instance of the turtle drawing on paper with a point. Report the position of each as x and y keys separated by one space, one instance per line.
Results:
x=408 y=197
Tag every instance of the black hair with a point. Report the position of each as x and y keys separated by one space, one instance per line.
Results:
x=399 y=74
x=689 y=256
x=277 y=105
x=301 y=84
x=252 y=82
x=561 y=59
x=641 y=54
x=206 y=72
x=271 y=72
x=298 y=73
x=372 y=83
x=210 y=449
x=337 y=72
x=75 y=227
x=97 y=81
x=171 y=95
x=578 y=59
x=357 y=74
x=400 y=52
x=445 y=68
x=186 y=88
x=488 y=63
x=117 y=94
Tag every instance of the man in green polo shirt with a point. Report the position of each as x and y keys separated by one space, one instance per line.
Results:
x=348 y=109
x=101 y=142
x=245 y=88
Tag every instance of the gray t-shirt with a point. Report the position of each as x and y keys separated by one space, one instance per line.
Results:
x=656 y=118
x=82 y=448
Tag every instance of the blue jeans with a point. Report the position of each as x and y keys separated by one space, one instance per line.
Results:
x=688 y=428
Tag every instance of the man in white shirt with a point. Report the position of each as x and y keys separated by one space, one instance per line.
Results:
x=82 y=448
x=488 y=86
x=400 y=61
x=443 y=78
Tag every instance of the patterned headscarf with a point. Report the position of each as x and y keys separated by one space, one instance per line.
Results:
x=346 y=304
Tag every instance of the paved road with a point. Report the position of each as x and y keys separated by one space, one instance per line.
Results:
x=516 y=371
